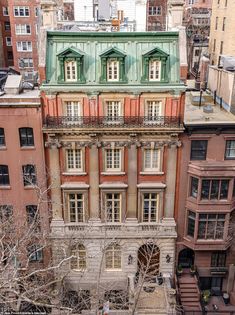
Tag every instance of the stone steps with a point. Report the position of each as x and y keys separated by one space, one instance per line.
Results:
x=189 y=295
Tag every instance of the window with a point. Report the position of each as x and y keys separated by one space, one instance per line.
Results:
x=25 y=63
x=24 y=46
x=211 y=226
x=29 y=175
x=33 y=216
x=150 y=207
x=26 y=137
x=153 y=110
x=224 y=21
x=23 y=29
x=4 y=175
x=5 y=11
x=214 y=189
x=74 y=159
x=35 y=253
x=113 y=111
x=196 y=52
x=37 y=10
x=214 y=45
x=113 y=207
x=216 y=23
x=7 y=26
x=73 y=109
x=10 y=55
x=2 y=137
x=198 y=149
x=155 y=10
x=230 y=149
x=218 y=259
x=194 y=187
x=76 y=207
x=226 y=3
x=70 y=71
x=191 y=223
x=8 y=41
x=221 y=47
x=78 y=262
x=151 y=159
x=154 y=70
x=6 y=212
x=113 y=159
x=113 y=257
x=113 y=69
x=21 y=11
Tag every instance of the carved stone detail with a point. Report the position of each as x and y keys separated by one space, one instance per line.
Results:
x=53 y=143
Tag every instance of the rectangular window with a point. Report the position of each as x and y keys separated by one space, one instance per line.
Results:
x=24 y=46
x=113 y=111
x=113 y=207
x=151 y=159
x=7 y=26
x=26 y=137
x=5 y=11
x=230 y=150
x=2 y=137
x=6 y=212
x=150 y=207
x=113 y=257
x=154 y=70
x=218 y=259
x=216 y=23
x=155 y=10
x=74 y=159
x=29 y=175
x=8 y=41
x=112 y=69
x=191 y=223
x=4 y=175
x=70 y=71
x=23 y=29
x=37 y=10
x=214 y=45
x=214 y=189
x=35 y=253
x=153 y=110
x=113 y=159
x=226 y=3
x=198 y=149
x=73 y=109
x=21 y=11
x=221 y=47
x=25 y=63
x=194 y=187
x=10 y=55
x=196 y=52
x=224 y=21
x=211 y=226
x=76 y=207
x=33 y=218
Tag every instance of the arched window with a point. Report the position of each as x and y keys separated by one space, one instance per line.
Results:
x=78 y=261
x=113 y=257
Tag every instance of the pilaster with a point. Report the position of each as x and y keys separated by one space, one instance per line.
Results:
x=94 y=182
x=132 y=183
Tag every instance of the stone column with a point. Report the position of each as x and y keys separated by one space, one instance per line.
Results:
x=170 y=181
x=132 y=184
x=94 y=183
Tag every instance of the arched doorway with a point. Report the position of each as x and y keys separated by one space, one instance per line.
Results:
x=148 y=261
x=186 y=258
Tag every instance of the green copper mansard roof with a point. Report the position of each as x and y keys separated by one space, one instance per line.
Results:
x=132 y=46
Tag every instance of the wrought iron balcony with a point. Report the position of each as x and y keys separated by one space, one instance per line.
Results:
x=112 y=122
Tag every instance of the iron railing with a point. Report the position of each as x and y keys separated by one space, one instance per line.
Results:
x=112 y=122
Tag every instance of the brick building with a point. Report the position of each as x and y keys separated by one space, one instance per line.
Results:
x=112 y=105
x=156 y=11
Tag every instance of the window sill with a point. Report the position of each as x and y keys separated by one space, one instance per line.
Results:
x=3 y=147
x=74 y=173
x=5 y=187
x=29 y=187
x=28 y=148
x=112 y=173
x=151 y=173
x=113 y=270
x=78 y=270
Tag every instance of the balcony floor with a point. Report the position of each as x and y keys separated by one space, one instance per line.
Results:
x=218 y=300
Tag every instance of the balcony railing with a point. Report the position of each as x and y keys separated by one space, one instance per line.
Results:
x=112 y=122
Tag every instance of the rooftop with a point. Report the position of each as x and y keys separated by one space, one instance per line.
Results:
x=195 y=115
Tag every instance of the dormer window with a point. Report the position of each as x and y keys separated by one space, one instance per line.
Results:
x=155 y=66
x=71 y=65
x=113 y=66
x=70 y=70
x=112 y=69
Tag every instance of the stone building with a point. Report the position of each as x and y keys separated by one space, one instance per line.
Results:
x=113 y=104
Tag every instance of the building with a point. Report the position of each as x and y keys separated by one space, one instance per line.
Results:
x=6 y=57
x=205 y=203
x=156 y=15
x=113 y=104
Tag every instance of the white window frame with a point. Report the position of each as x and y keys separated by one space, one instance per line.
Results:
x=113 y=70
x=153 y=110
x=74 y=158
x=20 y=45
x=151 y=199
x=81 y=258
x=70 y=70
x=113 y=111
x=152 y=162
x=113 y=200
x=18 y=8
x=5 y=11
x=113 y=156
x=8 y=42
x=73 y=109
x=154 y=68
x=75 y=200
x=21 y=29
x=115 y=252
x=26 y=63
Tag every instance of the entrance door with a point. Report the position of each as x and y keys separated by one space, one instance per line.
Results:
x=186 y=258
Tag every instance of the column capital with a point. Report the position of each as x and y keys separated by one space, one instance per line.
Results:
x=53 y=143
